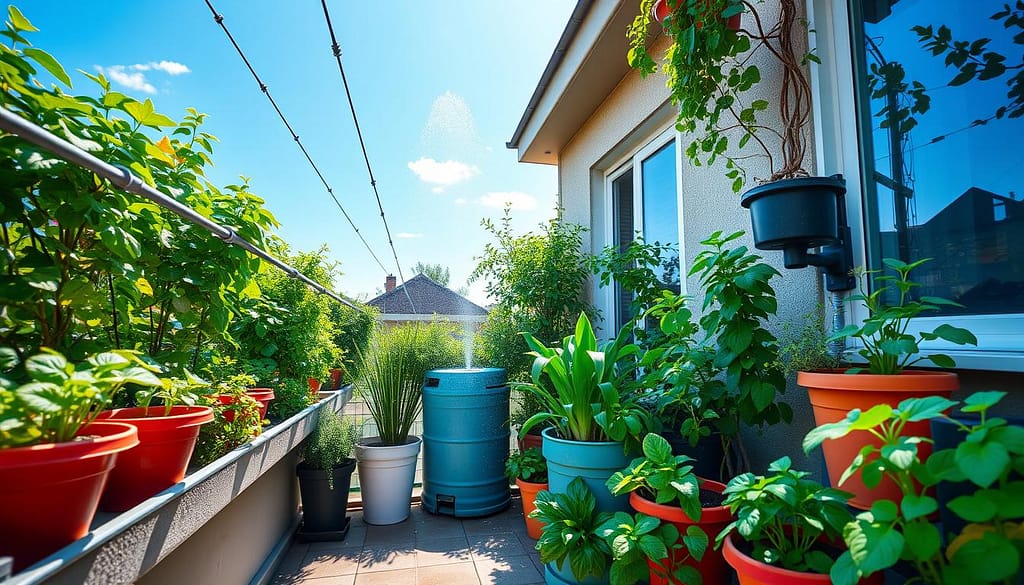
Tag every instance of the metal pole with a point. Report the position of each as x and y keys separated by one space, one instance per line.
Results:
x=124 y=179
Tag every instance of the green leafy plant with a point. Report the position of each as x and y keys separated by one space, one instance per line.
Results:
x=173 y=392
x=330 y=444
x=888 y=346
x=635 y=540
x=223 y=435
x=989 y=548
x=290 y=397
x=784 y=516
x=804 y=348
x=571 y=530
x=661 y=476
x=49 y=399
x=709 y=78
x=391 y=374
x=528 y=465
x=636 y=270
x=579 y=385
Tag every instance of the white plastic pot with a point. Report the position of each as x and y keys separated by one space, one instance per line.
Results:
x=386 y=475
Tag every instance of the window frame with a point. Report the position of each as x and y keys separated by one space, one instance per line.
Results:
x=839 y=149
x=634 y=160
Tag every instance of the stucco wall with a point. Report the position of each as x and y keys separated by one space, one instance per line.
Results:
x=633 y=114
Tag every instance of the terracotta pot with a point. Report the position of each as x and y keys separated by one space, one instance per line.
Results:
x=530 y=441
x=160 y=460
x=528 y=491
x=661 y=10
x=712 y=521
x=834 y=394
x=336 y=374
x=49 y=493
x=754 y=572
x=261 y=395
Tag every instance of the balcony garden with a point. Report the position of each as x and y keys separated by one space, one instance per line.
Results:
x=164 y=394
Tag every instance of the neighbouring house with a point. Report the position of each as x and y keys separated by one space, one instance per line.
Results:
x=946 y=188
x=422 y=299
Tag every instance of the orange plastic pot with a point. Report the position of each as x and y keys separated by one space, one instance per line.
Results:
x=528 y=491
x=712 y=567
x=49 y=493
x=754 y=572
x=261 y=395
x=160 y=460
x=834 y=394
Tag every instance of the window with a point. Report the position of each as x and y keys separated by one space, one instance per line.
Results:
x=645 y=200
x=940 y=126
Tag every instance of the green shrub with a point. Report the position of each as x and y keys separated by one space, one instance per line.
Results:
x=290 y=397
x=330 y=444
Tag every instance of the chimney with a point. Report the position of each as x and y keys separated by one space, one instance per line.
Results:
x=389 y=283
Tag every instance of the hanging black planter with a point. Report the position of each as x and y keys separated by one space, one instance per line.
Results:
x=324 y=510
x=794 y=215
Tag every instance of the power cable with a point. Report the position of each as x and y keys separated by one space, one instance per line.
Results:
x=219 y=19
x=336 y=49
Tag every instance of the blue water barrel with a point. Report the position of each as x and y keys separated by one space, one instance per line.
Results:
x=465 y=441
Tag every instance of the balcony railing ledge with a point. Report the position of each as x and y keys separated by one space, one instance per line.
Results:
x=121 y=548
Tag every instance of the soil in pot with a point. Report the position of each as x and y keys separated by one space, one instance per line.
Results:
x=833 y=394
x=160 y=459
x=49 y=493
x=753 y=572
x=714 y=518
x=324 y=510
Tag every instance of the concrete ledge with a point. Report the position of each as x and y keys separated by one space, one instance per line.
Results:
x=124 y=547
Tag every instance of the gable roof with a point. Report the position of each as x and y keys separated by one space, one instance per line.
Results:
x=428 y=297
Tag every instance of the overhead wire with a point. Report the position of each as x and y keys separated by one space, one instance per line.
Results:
x=219 y=19
x=336 y=50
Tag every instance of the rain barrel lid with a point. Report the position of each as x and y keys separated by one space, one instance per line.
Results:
x=478 y=377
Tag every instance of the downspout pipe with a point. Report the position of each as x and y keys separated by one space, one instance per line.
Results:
x=125 y=180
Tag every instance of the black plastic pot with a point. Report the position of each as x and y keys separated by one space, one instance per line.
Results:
x=324 y=510
x=796 y=213
x=708 y=453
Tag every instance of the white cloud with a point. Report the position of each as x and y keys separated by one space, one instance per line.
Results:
x=442 y=173
x=168 y=67
x=460 y=201
x=134 y=76
x=517 y=200
x=408 y=236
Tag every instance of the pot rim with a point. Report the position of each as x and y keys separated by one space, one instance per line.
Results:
x=181 y=416
x=837 y=187
x=924 y=381
x=761 y=571
x=113 y=437
x=549 y=433
x=534 y=485
x=712 y=515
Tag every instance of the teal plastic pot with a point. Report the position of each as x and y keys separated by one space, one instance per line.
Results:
x=595 y=462
x=554 y=575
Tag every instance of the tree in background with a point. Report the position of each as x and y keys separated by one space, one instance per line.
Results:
x=439 y=273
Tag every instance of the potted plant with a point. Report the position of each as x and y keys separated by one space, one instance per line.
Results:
x=788 y=528
x=390 y=378
x=989 y=549
x=664 y=486
x=54 y=459
x=167 y=437
x=236 y=420
x=593 y=425
x=644 y=547
x=324 y=476
x=529 y=471
x=570 y=544
x=721 y=371
x=888 y=349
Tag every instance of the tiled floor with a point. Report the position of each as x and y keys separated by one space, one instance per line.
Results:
x=424 y=550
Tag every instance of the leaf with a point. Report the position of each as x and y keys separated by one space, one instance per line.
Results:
x=922 y=538
x=980 y=401
x=915 y=506
x=918 y=409
x=143 y=286
x=48 y=367
x=48 y=62
x=992 y=557
x=955 y=335
x=18 y=20
x=974 y=507
x=873 y=547
x=983 y=462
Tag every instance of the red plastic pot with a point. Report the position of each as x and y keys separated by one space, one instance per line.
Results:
x=49 y=493
x=528 y=492
x=833 y=394
x=713 y=520
x=336 y=378
x=261 y=395
x=661 y=10
x=754 y=572
x=160 y=460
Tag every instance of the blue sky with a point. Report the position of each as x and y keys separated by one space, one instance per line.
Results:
x=439 y=87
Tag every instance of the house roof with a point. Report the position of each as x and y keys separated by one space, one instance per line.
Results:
x=586 y=65
x=428 y=298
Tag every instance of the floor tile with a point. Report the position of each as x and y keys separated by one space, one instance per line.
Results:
x=442 y=551
x=402 y=577
x=496 y=546
x=331 y=563
x=457 y=574
x=517 y=570
x=387 y=558
x=394 y=534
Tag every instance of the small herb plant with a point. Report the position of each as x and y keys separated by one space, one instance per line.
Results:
x=56 y=397
x=805 y=348
x=571 y=530
x=635 y=540
x=173 y=392
x=330 y=444
x=667 y=478
x=989 y=549
x=783 y=515
x=222 y=435
x=888 y=346
x=528 y=465
x=578 y=384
